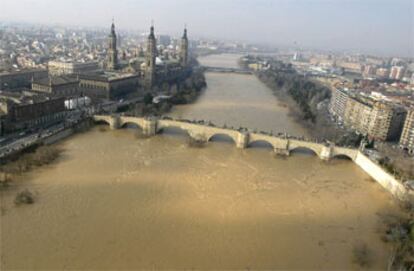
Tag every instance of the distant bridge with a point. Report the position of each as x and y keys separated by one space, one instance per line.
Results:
x=242 y=139
x=226 y=70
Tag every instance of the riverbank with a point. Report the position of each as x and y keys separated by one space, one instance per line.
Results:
x=308 y=103
x=29 y=159
x=38 y=153
x=48 y=138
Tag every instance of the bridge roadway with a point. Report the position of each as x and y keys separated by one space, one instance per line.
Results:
x=242 y=139
x=226 y=70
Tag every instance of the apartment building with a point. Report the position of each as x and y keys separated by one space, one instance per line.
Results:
x=407 y=136
x=377 y=120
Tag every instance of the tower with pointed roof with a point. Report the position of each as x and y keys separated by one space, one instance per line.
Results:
x=184 y=49
x=151 y=55
x=112 y=62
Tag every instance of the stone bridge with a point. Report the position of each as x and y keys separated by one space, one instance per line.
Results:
x=242 y=139
x=226 y=70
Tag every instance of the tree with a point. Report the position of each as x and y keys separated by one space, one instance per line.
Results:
x=148 y=98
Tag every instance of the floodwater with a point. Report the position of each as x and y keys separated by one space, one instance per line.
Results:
x=113 y=201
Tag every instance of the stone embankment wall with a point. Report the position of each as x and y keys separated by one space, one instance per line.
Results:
x=67 y=132
x=59 y=136
x=386 y=180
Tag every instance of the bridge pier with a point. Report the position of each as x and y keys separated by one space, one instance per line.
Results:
x=197 y=140
x=242 y=140
x=281 y=152
x=149 y=127
x=115 y=123
x=326 y=153
x=199 y=137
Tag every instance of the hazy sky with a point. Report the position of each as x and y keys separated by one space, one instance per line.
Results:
x=377 y=26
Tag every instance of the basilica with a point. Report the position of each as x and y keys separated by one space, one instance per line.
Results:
x=145 y=71
x=149 y=65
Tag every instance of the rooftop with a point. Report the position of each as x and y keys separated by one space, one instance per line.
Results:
x=107 y=76
x=6 y=72
x=22 y=96
x=58 y=80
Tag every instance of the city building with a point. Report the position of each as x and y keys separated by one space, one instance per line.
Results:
x=159 y=66
x=378 y=120
x=383 y=73
x=369 y=70
x=297 y=56
x=25 y=109
x=21 y=78
x=386 y=122
x=170 y=71
x=77 y=103
x=108 y=85
x=58 y=68
x=351 y=67
x=338 y=103
x=397 y=72
x=60 y=86
x=407 y=136
x=357 y=115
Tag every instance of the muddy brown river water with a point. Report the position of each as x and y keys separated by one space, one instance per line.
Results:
x=113 y=201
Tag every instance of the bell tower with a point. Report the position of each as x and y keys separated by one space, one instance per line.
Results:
x=112 y=63
x=151 y=55
x=184 y=49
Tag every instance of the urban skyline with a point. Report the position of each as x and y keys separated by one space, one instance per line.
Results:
x=382 y=27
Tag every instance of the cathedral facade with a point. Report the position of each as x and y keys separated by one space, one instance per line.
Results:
x=151 y=67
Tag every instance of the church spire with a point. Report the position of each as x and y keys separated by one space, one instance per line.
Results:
x=151 y=55
x=185 y=32
x=184 y=48
x=112 y=61
x=113 y=27
x=151 y=35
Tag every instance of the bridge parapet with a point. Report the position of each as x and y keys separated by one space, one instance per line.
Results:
x=280 y=145
x=242 y=139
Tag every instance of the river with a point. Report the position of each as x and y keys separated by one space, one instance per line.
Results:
x=113 y=201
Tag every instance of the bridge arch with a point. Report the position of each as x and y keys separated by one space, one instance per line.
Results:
x=173 y=130
x=303 y=149
x=226 y=137
x=260 y=143
x=106 y=120
x=342 y=156
x=124 y=124
x=102 y=122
